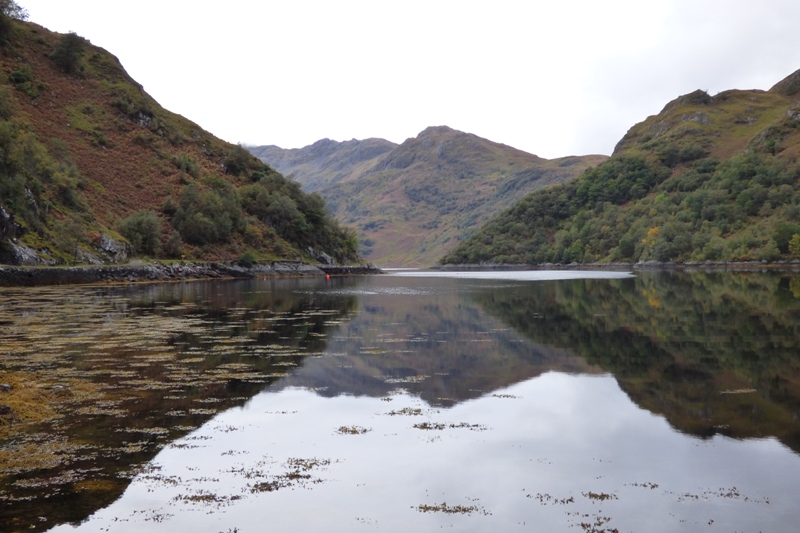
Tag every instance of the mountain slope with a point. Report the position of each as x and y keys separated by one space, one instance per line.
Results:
x=326 y=162
x=415 y=201
x=93 y=169
x=707 y=179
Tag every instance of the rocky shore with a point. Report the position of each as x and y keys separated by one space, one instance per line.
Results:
x=16 y=276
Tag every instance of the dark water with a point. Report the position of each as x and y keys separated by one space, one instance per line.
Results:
x=660 y=402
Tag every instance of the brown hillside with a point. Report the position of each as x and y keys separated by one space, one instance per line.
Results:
x=103 y=149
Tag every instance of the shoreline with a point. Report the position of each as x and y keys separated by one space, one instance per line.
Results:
x=742 y=266
x=26 y=276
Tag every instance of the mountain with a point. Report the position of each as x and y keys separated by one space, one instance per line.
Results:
x=93 y=170
x=326 y=162
x=413 y=202
x=707 y=179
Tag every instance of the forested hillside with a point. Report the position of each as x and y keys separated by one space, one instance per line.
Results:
x=93 y=170
x=707 y=179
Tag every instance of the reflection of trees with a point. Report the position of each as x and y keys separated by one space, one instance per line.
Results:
x=216 y=345
x=685 y=345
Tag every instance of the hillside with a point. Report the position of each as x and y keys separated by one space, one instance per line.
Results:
x=93 y=170
x=413 y=202
x=707 y=179
x=326 y=162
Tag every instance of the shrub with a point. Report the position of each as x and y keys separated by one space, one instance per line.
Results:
x=174 y=245
x=237 y=160
x=143 y=230
x=794 y=245
x=783 y=235
x=247 y=259
x=210 y=216
x=168 y=207
x=68 y=53
x=186 y=163
x=22 y=80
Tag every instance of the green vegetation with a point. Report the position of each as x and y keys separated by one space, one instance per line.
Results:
x=676 y=341
x=68 y=53
x=143 y=230
x=102 y=162
x=412 y=202
x=696 y=190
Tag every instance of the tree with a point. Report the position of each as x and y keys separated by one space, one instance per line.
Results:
x=143 y=231
x=11 y=9
x=794 y=245
x=68 y=52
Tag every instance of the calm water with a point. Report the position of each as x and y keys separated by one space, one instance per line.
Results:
x=546 y=402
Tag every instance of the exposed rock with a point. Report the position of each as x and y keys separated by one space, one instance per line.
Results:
x=697 y=97
x=14 y=253
x=88 y=258
x=114 y=251
x=322 y=257
x=25 y=276
x=9 y=229
x=697 y=116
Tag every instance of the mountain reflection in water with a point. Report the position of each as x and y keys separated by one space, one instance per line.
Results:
x=398 y=402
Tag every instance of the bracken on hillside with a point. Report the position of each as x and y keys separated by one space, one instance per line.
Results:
x=93 y=170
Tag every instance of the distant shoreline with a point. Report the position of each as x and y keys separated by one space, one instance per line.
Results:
x=26 y=276
x=650 y=265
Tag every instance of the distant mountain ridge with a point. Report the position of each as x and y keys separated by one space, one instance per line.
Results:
x=710 y=178
x=325 y=162
x=413 y=202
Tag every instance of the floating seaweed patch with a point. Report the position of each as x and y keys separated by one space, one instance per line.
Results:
x=599 y=496
x=148 y=431
x=206 y=498
x=546 y=499
x=646 y=485
x=203 y=411
x=410 y=379
x=352 y=430
x=298 y=475
x=451 y=509
x=406 y=411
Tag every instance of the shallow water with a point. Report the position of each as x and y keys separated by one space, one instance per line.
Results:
x=604 y=402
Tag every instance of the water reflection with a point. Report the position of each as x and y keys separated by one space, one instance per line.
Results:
x=716 y=353
x=393 y=402
x=98 y=380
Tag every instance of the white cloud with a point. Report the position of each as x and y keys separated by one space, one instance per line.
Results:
x=552 y=78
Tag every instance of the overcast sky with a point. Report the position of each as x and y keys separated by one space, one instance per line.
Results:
x=553 y=78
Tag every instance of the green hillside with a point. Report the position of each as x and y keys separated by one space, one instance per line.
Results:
x=93 y=170
x=707 y=179
x=411 y=203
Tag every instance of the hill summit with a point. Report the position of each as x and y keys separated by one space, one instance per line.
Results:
x=93 y=170
x=415 y=201
x=710 y=178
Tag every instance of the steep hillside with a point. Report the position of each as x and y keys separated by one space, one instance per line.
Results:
x=413 y=202
x=707 y=179
x=92 y=169
x=326 y=162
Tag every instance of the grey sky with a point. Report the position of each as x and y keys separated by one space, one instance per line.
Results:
x=551 y=78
